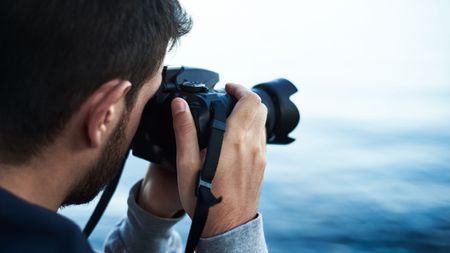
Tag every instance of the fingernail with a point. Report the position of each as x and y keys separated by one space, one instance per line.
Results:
x=178 y=106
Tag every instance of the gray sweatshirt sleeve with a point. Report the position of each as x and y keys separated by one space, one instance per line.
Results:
x=143 y=232
x=248 y=238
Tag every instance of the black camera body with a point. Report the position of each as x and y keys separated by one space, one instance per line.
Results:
x=155 y=139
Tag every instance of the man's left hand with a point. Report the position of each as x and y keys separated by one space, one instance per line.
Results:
x=158 y=194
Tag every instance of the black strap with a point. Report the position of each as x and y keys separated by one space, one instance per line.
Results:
x=205 y=198
x=103 y=202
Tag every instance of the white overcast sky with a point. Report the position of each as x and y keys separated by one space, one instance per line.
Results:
x=383 y=61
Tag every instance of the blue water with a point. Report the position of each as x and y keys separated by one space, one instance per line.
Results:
x=341 y=188
x=370 y=169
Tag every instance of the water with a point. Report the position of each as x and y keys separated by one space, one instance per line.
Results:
x=370 y=192
x=370 y=170
x=370 y=200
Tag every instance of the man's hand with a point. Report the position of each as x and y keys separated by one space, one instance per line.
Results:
x=158 y=194
x=241 y=165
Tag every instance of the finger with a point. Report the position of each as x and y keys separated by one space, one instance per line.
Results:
x=259 y=124
x=244 y=111
x=257 y=130
x=185 y=132
x=188 y=154
x=259 y=136
x=260 y=118
x=236 y=90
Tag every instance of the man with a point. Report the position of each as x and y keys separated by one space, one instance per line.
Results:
x=75 y=76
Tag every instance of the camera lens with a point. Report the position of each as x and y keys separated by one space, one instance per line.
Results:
x=282 y=116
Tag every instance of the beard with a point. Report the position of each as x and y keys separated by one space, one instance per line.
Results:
x=104 y=170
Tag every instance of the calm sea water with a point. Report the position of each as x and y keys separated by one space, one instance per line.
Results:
x=341 y=188
x=370 y=169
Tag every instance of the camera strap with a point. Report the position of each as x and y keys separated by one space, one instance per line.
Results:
x=104 y=200
x=205 y=198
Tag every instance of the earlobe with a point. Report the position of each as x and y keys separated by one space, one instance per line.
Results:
x=106 y=105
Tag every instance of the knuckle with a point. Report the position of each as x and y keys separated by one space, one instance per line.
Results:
x=259 y=157
x=231 y=123
x=252 y=98
x=263 y=109
x=260 y=162
x=236 y=141
x=239 y=139
x=186 y=162
x=263 y=162
x=256 y=152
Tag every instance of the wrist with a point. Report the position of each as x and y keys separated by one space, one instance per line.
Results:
x=221 y=221
x=148 y=200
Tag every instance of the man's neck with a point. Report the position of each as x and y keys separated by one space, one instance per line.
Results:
x=37 y=182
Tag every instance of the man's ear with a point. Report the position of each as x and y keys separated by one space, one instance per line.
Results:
x=105 y=107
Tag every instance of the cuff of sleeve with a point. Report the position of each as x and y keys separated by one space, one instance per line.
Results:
x=141 y=225
x=248 y=237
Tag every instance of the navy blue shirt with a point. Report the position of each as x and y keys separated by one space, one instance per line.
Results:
x=25 y=227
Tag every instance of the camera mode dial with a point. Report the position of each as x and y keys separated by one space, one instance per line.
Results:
x=194 y=87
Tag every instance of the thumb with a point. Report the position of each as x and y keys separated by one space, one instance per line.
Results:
x=188 y=153
x=185 y=132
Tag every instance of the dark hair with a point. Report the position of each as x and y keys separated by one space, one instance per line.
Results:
x=54 y=54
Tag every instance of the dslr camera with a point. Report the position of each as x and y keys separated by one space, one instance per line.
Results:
x=155 y=139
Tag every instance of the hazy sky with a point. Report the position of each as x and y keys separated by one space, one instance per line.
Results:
x=384 y=61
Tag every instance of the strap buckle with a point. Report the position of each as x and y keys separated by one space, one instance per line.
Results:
x=200 y=183
x=204 y=194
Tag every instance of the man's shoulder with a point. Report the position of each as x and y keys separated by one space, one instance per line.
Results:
x=29 y=228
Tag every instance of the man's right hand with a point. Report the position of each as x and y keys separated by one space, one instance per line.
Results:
x=241 y=165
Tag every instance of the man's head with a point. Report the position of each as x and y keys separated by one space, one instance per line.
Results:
x=59 y=57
